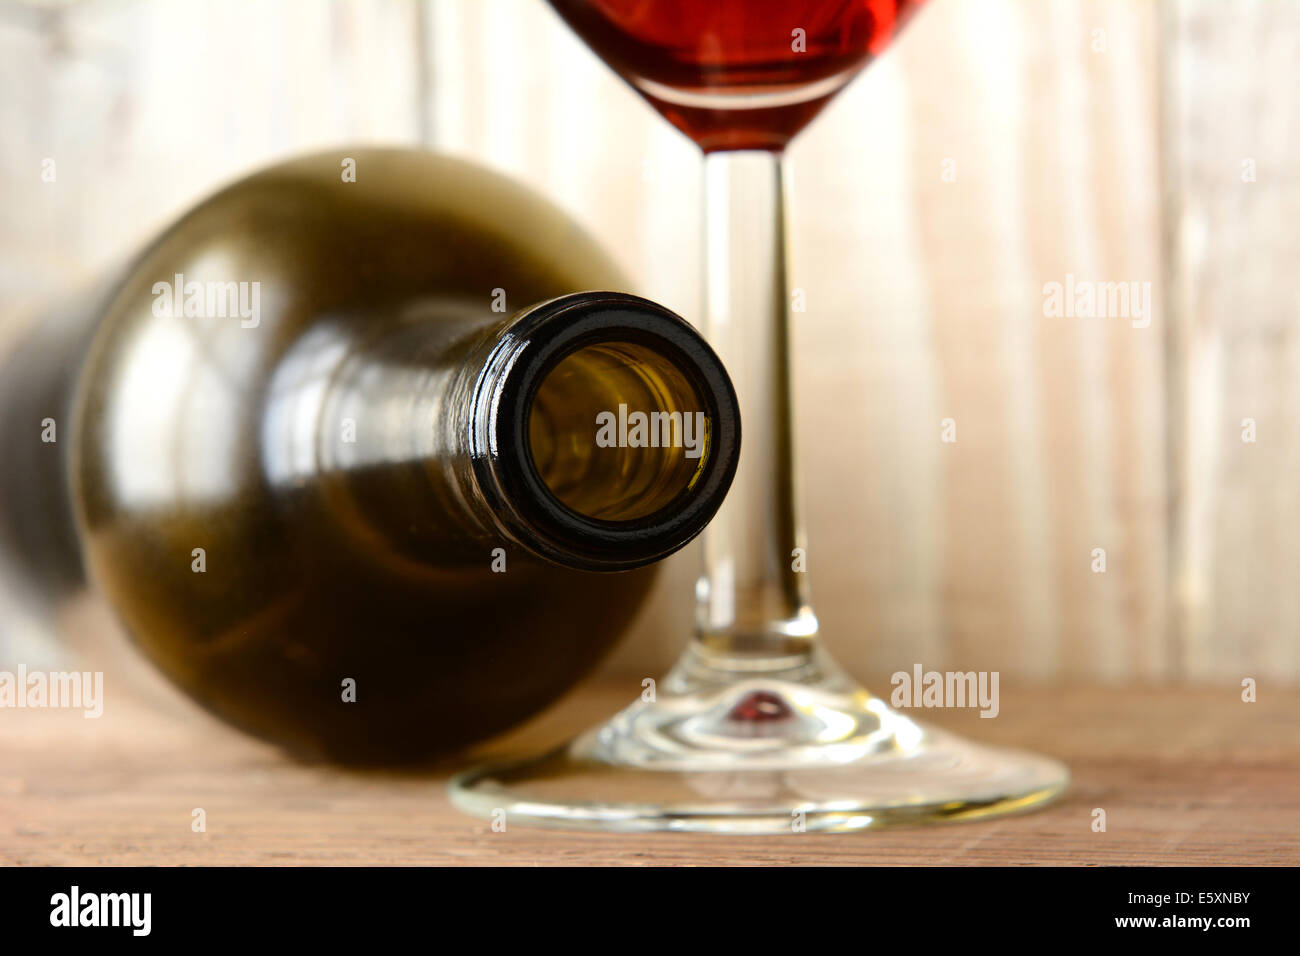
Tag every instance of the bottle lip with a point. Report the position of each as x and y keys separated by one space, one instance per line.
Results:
x=526 y=352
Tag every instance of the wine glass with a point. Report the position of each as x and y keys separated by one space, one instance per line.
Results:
x=755 y=730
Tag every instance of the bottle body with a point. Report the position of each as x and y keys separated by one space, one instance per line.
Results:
x=277 y=477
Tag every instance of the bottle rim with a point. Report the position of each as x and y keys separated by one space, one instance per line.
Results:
x=529 y=349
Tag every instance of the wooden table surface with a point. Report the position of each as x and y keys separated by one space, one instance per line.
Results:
x=1185 y=776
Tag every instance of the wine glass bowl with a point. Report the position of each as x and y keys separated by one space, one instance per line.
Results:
x=735 y=76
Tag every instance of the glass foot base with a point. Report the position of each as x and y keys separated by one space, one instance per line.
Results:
x=787 y=753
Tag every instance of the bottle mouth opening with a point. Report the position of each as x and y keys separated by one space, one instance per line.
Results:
x=614 y=430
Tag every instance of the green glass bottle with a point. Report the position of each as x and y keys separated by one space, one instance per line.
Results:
x=365 y=467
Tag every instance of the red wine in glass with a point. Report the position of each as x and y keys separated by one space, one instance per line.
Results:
x=737 y=74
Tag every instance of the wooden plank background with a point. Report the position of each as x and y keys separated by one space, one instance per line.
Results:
x=1102 y=139
x=1232 y=175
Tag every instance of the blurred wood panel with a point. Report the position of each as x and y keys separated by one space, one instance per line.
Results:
x=147 y=106
x=1232 y=128
x=1002 y=145
x=1051 y=141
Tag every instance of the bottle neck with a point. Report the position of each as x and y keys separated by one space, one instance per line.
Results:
x=596 y=430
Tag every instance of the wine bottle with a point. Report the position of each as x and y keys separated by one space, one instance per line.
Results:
x=361 y=467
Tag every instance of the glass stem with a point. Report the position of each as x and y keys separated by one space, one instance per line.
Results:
x=753 y=613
